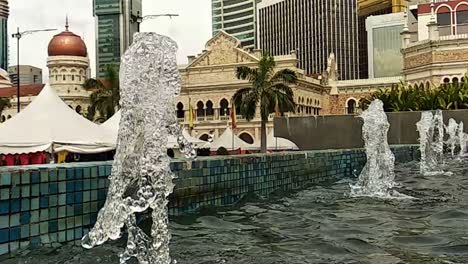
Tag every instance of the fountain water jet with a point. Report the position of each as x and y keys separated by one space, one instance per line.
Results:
x=452 y=131
x=461 y=139
x=377 y=176
x=141 y=177
x=431 y=141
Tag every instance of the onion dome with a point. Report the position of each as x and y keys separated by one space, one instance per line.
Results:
x=67 y=44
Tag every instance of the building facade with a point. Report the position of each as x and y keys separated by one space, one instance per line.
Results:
x=28 y=74
x=236 y=17
x=313 y=28
x=384 y=45
x=440 y=52
x=116 y=23
x=209 y=82
x=4 y=13
x=68 y=65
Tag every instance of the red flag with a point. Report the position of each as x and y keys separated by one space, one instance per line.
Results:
x=233 y=115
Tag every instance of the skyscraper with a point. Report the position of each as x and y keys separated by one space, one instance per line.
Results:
x=116 y=22
x=236 y=17
x=315 y=29
x=4 y=11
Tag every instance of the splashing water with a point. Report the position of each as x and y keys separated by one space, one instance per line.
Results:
x=452 y=131
x=431 y=142
x=377 y=177
x=461 y=139
x=141 y=177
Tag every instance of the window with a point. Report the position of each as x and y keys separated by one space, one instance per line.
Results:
x=78 y=109
x=200 y=109
x=351 y=106
x=180 y=110
x=224 y=108
x=209 y=108
x=246 y=138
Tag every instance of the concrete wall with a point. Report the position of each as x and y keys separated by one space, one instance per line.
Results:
x=59 y=203
x=344 y=131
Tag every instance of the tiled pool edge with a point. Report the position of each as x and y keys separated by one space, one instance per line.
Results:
x=59 y=203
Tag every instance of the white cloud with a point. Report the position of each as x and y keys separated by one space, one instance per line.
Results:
x=191 y=29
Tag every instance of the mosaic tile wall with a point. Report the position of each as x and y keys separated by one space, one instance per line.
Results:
x=59 y=203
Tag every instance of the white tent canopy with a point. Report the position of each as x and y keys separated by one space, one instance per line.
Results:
x=277 y=143
x=49 y=121
x=112 y=125
x=230 y=142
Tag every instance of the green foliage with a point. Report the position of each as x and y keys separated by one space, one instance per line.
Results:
x=268 y=89
x=106 y=95
x=399 y=98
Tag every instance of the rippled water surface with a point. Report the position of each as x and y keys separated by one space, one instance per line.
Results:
x=319 y=225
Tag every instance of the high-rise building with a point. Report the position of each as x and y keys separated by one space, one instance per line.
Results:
x=28 y=74
x=4 y=11
x=368 y=8
x=315 y=29
x=116 y=22
x=236 y=17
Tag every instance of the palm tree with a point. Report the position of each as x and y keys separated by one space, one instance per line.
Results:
x=106 y=94
x=4 y=103
x=269 y=90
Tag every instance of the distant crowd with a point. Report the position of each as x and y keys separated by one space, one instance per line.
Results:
x=39 y=158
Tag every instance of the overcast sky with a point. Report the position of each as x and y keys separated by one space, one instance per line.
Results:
x=191 y=29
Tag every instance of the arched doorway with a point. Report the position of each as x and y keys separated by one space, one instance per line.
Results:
x=209 y=108
x=78 y=109
x=200 y=109
x=180 y=111
x=351 y=106
x=224 y=108
x=246 y=137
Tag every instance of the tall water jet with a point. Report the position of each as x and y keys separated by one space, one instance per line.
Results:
x=141 y=178
x=461 y=139
x=377 y=177
x=452 y=131
x=431 y=143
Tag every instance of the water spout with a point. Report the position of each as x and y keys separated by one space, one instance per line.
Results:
x=141 y=178
x=377 y=177
x=431 y=143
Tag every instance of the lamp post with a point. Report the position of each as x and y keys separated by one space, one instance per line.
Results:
x=18 y=36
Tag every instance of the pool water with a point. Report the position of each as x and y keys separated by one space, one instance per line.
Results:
x=319 y=225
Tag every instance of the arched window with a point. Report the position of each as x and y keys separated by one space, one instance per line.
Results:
x=246 y=138
x=56 y=77
x=64 y=78
x=446 y=80
x=224 y=108
x=200 y=109
x=462 y=79
x=9 y=117
x=180 y=110
x=209 y=108
x=78 y=109
x=428 y=85
x=455 y=80
x=205 y=137
x=73 y=77
x=351 y=106
x=3 y=118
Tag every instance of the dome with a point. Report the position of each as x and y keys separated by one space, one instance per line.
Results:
x=67 y=44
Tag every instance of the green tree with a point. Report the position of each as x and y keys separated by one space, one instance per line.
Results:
x=105 y=98
x=269 y=90
x=4 y=103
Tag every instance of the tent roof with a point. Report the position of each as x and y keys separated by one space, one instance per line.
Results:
x=112 y=125
x=279 y=143
x=49 y=120
x=226 y=141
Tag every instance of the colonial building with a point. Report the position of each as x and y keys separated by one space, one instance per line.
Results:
x=68 y=65
x=209 y=82
x=440 y=53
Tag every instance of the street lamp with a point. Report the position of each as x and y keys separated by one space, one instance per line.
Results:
x=18 y=36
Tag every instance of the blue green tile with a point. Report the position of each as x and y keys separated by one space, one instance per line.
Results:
x=53 y=200
x=62 y=236
x=34 y=216
x=15 y=206
x=25 y=191
x=53 y=175
x=44 y=188
x=4 y=221
x=35 y=189
x=34 y=203
x=62 y=174
x=25 y=177
x=53 y=213
x=53 y=188
x=15 y=178
x=35 y=177
x=44 y=202
x=15 y=192
x=44 y=215
x=4 y=193
x=15 y=233
x=44 y=228
x=14 y=220
x=62 y=187
x=25 y=218
x=25 y=231
x=62 y=199
x=34 y=229
x=62 y=224
x=94 y=172
x=62 y=211
x=5 y=179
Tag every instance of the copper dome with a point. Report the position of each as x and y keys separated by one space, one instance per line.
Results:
x=67 y=44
